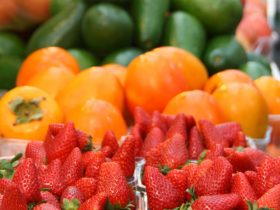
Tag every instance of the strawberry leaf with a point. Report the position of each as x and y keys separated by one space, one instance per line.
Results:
x=164 y=169
x=110 y=206
x=202 y=156
x=254 y=206
x=192 y=193
x=239 y=149
x=74 y=204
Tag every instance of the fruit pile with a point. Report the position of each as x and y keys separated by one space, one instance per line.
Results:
x=67 y=172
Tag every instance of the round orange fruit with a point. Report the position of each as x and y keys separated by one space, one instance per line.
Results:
x=91 y=83
x=118 y=70
x=95 y=117
x=225 y=77
x=270 y=89
x=26 y=113
x=199 y=104
x=45 y=58
x=243 y=103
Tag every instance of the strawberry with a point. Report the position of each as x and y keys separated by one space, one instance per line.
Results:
x=168 y=119
x=107 y=151
x=71 y=198
x=158 y=120
x=13 y=199
x=268 y=175
x=201 y=171
x=256 y=155
x=240 y=140
x=1 y=198
x=61 y=144
x=4 y=183
x=179 y=180
x=87 y=186
x=240 y=185
x=152 y=157
x=216 y=150
x=110 y=140
x=252 y=177
x=112 y=182
x=143 y=119
x=209 y=133
x=229 y=131
x=50 y=177
x=96 y=202
x=87 y=157
x=190 y=171
x=271 y=199
x=173 y=152
x=92 y=169
x=217 y=202
x=36 y=151
x=162 y=194
x=153 y=138
x=45 y=206
x=72 y=168
x=216 y=180
x=125 y=156
x=195 y=144
x=135 y=133
x=49 y=198
x=53 y=130
x=179 y=126
x=26 y=179
x=84 y=141
x=190 y=121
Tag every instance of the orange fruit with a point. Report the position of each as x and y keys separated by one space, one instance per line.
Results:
x=95 y=117
x=270 y=89
x=194 y=70
x=91 y=83
x=225 y=77
x=199 y=104
x=58 y=77
x=152 y=80
x=44 y=58
x=26 y=113
x=118 y=70
x=243 y=103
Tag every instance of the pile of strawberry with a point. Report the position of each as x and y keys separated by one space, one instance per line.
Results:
x=65 y=172
x=225 y=176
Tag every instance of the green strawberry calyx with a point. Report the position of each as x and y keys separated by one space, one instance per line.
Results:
x=73 y=204
x=110 y=206
x=254 y=206
x=7 y=166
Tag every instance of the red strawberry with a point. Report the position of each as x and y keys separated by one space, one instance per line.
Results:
x=217 y=150
x=158 y=121
x=87 y=186
x=268 y=175
x=49 y=198
x=36 y=151
x=135 y=133
x=190 y=121
x=4 y=183
x=112 y=182
x=256 y=155
x=84 y=141
x=152 y=158
x=229 y=131
x=195 y=144
x=201 y=171
x=169 y=119
x=217 y=202
x=154 y=138
x=72 y=168
x=61 y=144
x=190 y=171
x=53 y=130
x=143 y=119
x=240 y=185
x=107 y=151
x=240 y=140
x=179 y=126
x=87 y=157
x=71 y=197
x=173 y=152
x=209 y=133
x=13 y=199
x=216 y=180
x=179 y=180
x=45 y=206
x=110 y=140
x=161 y=192
x=271 y=199
x=50 y=177
x=125 y=156
x=92 y=169
x=96 y=202
x=252 y=177
x=26 y=179
x=1 y=198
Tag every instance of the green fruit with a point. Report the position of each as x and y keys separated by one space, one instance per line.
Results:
x=10 y=44
x=255 y=69
x=224 y=52
x=119 y=2
x=185 y=31
x=149 y=16
x=217 y=16
x=9 y=67
x=61 y=30
x=84 y=58
x=122 y=57
x=107 y=28
x=258 y=58
x=58 y=5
